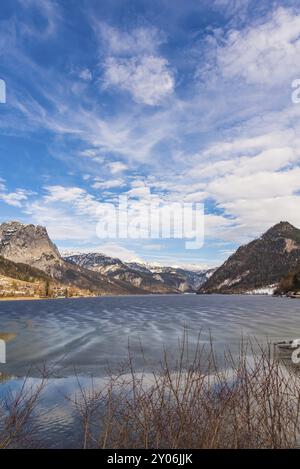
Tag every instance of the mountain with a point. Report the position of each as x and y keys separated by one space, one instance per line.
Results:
x=150 y=278
x=182 y=279
x=23 y=272
x=18 y=279
x=30 y=244
x=261 y=263
x=116 y=270
x=22 y=280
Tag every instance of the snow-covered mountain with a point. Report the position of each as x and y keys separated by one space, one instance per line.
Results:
x=152 y=278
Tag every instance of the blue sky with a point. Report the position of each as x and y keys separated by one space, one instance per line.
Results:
x=187 y=100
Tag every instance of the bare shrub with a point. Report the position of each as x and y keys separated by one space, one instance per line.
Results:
x=16 y=413
x=249 y=401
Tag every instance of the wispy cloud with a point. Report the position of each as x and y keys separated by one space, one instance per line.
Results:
x=266 y=53
x=49 y=11
x=134 y=64
x=141 y=110
x=117 y=167
x=149 y=79
x=15 y=198
x=136 y=41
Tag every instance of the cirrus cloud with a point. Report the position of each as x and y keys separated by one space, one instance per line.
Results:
x=266 y=53
x=148 y=79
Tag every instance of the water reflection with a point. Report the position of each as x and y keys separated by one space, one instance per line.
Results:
x=85 y=337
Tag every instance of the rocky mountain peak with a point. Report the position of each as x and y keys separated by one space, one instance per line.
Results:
x=261 y=263
x=283 y=229
x=29 y=244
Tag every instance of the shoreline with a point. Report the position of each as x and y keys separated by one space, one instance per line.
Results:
x=31 y=298
x=295 y=295
x=104 y=295
x=37 y=298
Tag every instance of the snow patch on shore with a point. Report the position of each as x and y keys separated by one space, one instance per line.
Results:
x=267 y=290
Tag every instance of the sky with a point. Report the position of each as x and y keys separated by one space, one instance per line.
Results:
x=182 y=101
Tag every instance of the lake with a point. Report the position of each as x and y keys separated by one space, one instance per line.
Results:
x=87 y=337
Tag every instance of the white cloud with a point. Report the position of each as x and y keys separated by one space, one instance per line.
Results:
x=257 y=215
x=149 y=79
x=117 y=167
x=272 y=159
x=68 y=213
x=139 y=192
x=85 y=74
x=90 y=153
x=133 y=63
x=256 y=185
x=135 y=42
x=109 y=249
x=266 y=53
x=63 y=194
x=15 y=198
x=250 y=144
x=194 y=197
x=108 y=184
x=119 y=251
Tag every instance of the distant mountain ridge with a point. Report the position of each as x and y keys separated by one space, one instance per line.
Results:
x=260 y=263
x=149 y=278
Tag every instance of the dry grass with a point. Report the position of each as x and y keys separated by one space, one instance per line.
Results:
x=16 y=413
x=251 y=403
